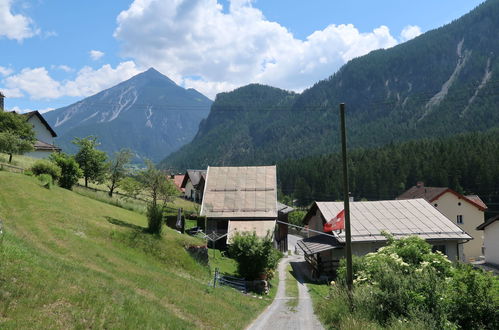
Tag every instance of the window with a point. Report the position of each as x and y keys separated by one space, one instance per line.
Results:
x=440 y=248
x=460 y=219
x=435 y=204
x=459 y=203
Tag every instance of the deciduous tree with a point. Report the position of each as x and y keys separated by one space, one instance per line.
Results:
x=16 y=134
x=117 y=169
x=91 y=160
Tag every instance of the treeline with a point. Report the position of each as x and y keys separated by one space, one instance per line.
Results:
x=467 y=163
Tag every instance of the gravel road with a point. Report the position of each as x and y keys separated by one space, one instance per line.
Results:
x=278 y=315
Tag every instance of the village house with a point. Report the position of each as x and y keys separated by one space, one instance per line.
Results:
x=491 y=240
x=177 y=181
x=369 y=220
x=239 y=200
x=44 y=134
x=193 y=184
x=465 y=211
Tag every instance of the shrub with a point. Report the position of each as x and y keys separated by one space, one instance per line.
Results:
x=154 y=219
x=70 y=171
x=474 y=298
x=46 y=180
x=255 y=256
x=46 y=167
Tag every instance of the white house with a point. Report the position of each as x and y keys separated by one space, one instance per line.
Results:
x=491 y=240
x=44 y=134
x=400 y=218
x=193 y=184
x=465 y=211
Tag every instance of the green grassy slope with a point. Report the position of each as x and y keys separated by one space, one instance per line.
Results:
x=68 y=261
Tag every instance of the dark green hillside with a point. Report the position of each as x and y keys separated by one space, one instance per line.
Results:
x=441 y=83
x=239 y=128
x=468 y=163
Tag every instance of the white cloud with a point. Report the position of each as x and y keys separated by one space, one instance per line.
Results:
x=62 y=67
x=5 y=71
x=185 y=38
x=410 y=32
x=38 y=83
x=96 y=54
x=15 y=26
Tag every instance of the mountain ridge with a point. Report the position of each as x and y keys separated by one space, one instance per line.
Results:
x=438 y=84
x=148 y=113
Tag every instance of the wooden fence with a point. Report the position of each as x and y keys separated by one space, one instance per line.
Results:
x=11 y=168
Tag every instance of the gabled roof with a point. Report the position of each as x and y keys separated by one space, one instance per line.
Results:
x=40 y=145
x=283 y=208
x=196 y=176
x=30 y=114
x=433 y=193
x=240 y=192
x=401 y=218
x=488 y=222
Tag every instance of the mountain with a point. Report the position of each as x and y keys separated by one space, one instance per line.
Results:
x=441 y=83
x=148 y=114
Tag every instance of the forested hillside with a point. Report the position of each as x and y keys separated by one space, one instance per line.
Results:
x=467 y=163
x=441 y=83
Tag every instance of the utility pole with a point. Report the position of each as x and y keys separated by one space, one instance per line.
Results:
x=346 y=198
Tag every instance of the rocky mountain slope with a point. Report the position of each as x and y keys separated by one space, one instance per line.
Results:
x=441 y=83
x=148 y=113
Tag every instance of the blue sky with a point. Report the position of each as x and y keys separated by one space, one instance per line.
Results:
x=55 y=52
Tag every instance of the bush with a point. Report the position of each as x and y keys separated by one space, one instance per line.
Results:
x=154 y=219
x=70 y=171
x=405 y=285
x=474 y=298
x=256 y=256
x=46 y=180
x=46 y=167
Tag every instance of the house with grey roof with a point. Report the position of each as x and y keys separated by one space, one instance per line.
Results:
x=466 y=211
x=240 y=199
x=490 y=230
x=193 y=185
x=369 y=221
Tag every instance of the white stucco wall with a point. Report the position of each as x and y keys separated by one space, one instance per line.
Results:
x=39 y=154
x=448 y=205
x=491 y=243
x=41 y=131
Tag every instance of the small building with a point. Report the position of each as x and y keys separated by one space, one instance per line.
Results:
x=177 y=180
x=240 y=199
x=281 y=234
x=400 y=218
x=491 y=240
x=44 y=134
x=465 y=211
x=193 y=184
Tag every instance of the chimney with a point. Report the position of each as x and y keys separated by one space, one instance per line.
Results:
x=420 y=184
x=1 y=101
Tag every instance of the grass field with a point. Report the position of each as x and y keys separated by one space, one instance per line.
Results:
x=291 y=288
x=68 y=261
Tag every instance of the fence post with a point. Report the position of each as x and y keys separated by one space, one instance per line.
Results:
x=215 y=277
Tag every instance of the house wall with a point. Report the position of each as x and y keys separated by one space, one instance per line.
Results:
x=189 y=190
x=491 y=243
x=315 y=223
x=41 y=154
x=448 y=205
x=41 y=131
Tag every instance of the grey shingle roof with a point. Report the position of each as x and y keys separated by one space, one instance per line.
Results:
x=240 y=192
x=401 y=218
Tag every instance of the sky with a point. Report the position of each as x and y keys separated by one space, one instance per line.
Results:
x=56 y=52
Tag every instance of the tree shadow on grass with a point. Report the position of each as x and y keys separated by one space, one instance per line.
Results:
x=122 y=223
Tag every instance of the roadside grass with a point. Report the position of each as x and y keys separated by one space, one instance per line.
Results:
x=225 y=265
x=291 y=289
x=68 y=261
